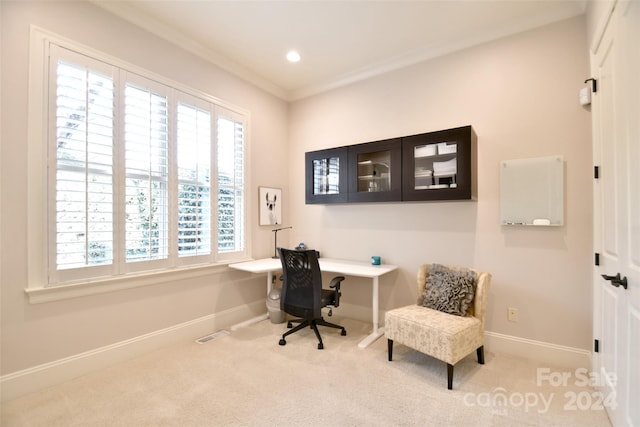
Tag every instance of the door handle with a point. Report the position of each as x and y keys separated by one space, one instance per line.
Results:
x=616 y=280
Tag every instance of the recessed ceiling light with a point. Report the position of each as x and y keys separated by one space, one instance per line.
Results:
x=293 y=56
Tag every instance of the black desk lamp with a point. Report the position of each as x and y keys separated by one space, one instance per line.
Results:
x=275 y=241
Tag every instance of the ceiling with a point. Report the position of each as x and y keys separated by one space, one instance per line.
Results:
x=340 y=41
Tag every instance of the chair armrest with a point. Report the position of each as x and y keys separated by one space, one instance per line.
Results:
x=335 y=282
x=335 y=285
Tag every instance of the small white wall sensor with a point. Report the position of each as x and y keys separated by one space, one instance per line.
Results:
x=585 y=96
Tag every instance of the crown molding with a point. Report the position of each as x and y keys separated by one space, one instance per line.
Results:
x=432 y=51
x=161 y=29
x=158 y=28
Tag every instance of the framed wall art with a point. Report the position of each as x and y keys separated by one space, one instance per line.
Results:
x=270 y=202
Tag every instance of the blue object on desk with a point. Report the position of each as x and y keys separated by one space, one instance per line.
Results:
x=375 y=260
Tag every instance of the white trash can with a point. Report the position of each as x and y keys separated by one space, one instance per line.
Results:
x=276 y=315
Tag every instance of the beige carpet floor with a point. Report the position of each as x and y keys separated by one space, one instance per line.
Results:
x=247 y=379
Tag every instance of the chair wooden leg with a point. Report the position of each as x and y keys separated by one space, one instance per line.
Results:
x=480 y=354
x=449 y=376
x=390 y=348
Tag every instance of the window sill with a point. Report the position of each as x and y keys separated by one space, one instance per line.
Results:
x=39 y=295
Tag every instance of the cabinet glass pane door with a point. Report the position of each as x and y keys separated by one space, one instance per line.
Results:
x=436 y=166
x=440 y=165
x=374 y=171
x=326 y=176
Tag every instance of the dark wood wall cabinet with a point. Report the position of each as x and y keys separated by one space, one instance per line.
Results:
x=440 y=165
x=374 y=171
x=430 y=166
x=326 y=176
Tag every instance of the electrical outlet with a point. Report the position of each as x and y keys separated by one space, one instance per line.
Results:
x=512 y=314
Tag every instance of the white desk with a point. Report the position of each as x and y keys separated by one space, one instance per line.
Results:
x=347 y=268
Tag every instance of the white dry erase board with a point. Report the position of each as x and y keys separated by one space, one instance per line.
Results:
x=532 y=191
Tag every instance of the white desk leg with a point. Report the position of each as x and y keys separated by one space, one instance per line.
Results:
x=269 y=282
x=377 y=332
x=262 y=317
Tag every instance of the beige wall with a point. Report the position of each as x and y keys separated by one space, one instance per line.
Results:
x=519 y=93
x=521 y=96
x=36 y=334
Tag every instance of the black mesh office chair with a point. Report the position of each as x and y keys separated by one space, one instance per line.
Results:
x=302 y=293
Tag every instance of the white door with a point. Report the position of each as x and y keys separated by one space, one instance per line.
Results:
x=616 y=119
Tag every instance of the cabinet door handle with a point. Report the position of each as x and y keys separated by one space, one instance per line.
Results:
x=616 y=280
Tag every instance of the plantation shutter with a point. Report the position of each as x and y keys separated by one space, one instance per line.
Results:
x=141 y=176
x=230 y=139
x=146 y=137
x=82 y=190
x=194 y=178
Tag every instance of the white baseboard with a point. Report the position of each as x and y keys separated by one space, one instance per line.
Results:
x=549 y=355
x=38 y=377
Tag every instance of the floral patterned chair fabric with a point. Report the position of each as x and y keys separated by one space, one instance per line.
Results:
x=445 y=336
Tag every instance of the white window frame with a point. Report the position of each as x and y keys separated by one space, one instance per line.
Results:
x=39 y=286
x=197 y=103
x=149 y=265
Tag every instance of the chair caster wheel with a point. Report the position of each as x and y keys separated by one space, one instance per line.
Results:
x=344 y=332
x=289 y=325
x=320 y=346
x=282 y=342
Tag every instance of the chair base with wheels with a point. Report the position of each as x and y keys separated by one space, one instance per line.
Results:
x=313 y=324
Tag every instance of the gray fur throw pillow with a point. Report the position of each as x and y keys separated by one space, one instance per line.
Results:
x=450 y=291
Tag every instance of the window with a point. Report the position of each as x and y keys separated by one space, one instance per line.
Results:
x=146 y=174
x=230 y=186
x=142 y=176
x=194 y=181
x=84 y=108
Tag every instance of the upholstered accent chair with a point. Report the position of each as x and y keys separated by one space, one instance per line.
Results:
x=444 y=336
